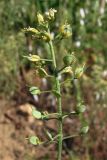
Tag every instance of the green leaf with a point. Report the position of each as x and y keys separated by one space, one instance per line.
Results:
x=56 y=93
x=36 y=113
x=34 y=140
x=34 y=90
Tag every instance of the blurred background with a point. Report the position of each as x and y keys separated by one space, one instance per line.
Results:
x=88 y=19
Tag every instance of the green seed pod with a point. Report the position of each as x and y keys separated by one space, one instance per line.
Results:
x=80 y=108
x=34 y=90
x=79 y=72
x=36 y=113
x=34 y=140
x=84 y=129
x=42 y=73
x=68 y=59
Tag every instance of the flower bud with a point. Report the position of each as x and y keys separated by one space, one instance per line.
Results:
x=40 y=18
x=32 y=30
x=33 y=58
x=46 y=36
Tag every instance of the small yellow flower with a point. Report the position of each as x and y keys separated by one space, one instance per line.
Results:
x=65 y=30
x=50 y=15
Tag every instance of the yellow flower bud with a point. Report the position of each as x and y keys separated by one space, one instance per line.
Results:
x=32 y=30
x=33 y=58
x=46 y=36
x=40 y=18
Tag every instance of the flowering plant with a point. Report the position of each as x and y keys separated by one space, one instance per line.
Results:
x=69 y=61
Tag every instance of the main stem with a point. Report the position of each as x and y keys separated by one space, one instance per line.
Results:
x=60 y=131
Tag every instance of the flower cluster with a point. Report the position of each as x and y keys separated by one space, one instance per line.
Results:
x=42 y=32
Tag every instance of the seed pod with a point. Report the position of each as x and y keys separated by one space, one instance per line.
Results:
x=68 y=59
x=34 y=90
x=34 y=140
x=80 y=108
x=42 y=73
x=36 y=113
x=79 y=72
x=84 y=129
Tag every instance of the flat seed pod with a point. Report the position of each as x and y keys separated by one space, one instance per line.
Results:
x=36 y=113
x=34 y=140
x=34 y=90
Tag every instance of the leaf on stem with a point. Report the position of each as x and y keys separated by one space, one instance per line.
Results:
x=36 y=114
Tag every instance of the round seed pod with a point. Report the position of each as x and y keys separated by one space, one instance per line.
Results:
x=80 y=108
x=68 y=59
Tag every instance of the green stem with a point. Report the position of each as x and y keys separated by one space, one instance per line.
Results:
x=57 y=83
x=60 y=121
x=52 y=54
